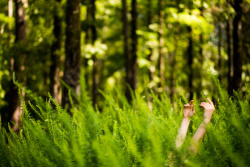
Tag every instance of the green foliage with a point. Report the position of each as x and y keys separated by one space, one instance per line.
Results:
x=125 y=135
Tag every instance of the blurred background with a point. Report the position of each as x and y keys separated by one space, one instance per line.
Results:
x=143 y=45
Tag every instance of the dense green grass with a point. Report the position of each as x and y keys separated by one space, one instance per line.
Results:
x=126 y=135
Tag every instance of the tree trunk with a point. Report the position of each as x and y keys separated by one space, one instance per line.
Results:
x=190 y=62
x=17 y=64
x=10 y=14
x=150 y=56
x=200 y=58
x=10 y=8
x=72 y=48
x=237 y=46
x=94 y=58
x=133 y=83
x=126 y=48
x=130 y=58
x=173 y=59
x=161 y=42
x=230 y=55
x=87 y=41
x=21 y=19
x=55 y=55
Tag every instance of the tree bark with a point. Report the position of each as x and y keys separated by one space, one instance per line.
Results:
x=17 y=64
x=237 y=46
x=55 y=55
x=130 y=57
x=134 y=44
x=10 y=8
x=173 y=60
x=126 y=48
x=230 y=55
x=72 y=48
x=133 y=83
x=190 y=62
x=161 y=42
x=200 y=58
x=21 y=19
x=87 y=41
x=150 y=56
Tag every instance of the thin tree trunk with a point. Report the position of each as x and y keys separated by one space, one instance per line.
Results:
x=134 y=45
x=17 y=64
x=21 y=19
x=10 y=8
x=230 y=55
x=130 y=58
x=190 y=62
x=87 y=41
x=94 y=58
x=173 y=63
x=72 y=48
x=237 y=46
x=126 y=48
x=10 y=14
x=200 y=59
x=161 y=42
x=55 y=55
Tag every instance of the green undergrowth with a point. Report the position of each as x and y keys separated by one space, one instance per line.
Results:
x=126 y=135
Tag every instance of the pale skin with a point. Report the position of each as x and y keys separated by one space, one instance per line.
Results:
x=188 y=112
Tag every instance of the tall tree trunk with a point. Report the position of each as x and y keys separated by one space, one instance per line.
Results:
x=200 y=58
x=17 y=64
x=126 y=48
x=72 y=48
x=133 y=83
x=10 y=8
x=219 y=51
x=190 y=62
x=130 y=58
x=173 y=60
x=87 y=41
x=94 y=58
x=161 y=42
x=55 y=55
x=230 y=55
x=237 y=46
x=10 y=14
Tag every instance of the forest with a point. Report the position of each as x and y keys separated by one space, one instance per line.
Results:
x=119 y=82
